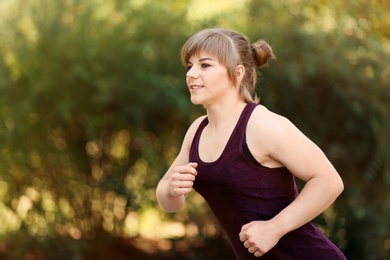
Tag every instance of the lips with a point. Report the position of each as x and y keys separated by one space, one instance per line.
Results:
x=195 y=87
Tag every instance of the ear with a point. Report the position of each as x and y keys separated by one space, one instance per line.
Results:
x=240 y=72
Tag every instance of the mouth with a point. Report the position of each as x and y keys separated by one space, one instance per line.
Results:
x=195 y=87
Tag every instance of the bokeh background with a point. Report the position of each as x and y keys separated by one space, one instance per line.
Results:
x=94 y=106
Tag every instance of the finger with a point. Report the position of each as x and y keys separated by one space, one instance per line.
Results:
x=178 y=177
x=193 y=164
x=192 y=170
x=186 y=184
x=188 y=177
x=192 y=167
x=245 y=227
x=252 y=249
x=178 y=191
x=182 y=191
x=179 y=183
x=247 y=244
x=186 y=169
x=258 y=254
x=243 y=237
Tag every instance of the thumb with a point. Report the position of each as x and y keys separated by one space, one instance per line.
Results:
x=193 y=164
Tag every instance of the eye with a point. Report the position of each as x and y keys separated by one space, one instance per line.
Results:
x=205 y=65
x=189 y=67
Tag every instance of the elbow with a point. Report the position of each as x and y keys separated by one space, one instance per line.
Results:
x=341 y=186
x=333 y=186
x=338 y=186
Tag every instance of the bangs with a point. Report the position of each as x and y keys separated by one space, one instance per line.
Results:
x=212 y=42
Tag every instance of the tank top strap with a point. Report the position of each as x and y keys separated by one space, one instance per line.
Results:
x=194 y=156
x=240 y=128
x=236 y=138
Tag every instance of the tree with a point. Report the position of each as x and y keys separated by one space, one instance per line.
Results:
x=94 y=106
x=91 y=109
x=330 y=79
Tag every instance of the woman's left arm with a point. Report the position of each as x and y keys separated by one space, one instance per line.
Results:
x=307 y=162
x=289 y=146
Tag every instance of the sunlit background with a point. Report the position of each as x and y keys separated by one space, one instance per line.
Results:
x=94 y=106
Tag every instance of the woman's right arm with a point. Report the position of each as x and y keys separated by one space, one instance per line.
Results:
x=177 y=182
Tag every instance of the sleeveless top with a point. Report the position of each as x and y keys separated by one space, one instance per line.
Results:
x=238 y=191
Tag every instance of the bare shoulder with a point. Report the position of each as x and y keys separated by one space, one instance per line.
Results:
x=191 y=132
x=272 y=131
x=183 y=156
x=263 y=119
x=194 y=126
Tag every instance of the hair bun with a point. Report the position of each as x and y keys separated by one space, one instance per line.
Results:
x=262 y=52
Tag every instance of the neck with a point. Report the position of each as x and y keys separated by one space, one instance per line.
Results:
x=223 y=114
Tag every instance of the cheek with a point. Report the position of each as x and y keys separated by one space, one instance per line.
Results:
x=224 y=78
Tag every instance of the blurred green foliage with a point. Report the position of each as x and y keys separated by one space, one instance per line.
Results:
x=93 y=108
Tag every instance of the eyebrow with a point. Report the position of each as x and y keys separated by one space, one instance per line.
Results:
x=203 y=59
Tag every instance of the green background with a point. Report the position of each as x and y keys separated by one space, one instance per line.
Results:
x=94 y=106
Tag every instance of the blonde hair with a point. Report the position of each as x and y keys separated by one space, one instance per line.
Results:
x=231 y=49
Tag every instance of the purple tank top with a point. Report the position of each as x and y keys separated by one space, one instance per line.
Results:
x=238 y=192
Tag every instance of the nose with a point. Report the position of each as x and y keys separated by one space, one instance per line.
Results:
x=192 y=73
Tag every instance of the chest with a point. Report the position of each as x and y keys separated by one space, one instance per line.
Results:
x=212 y=144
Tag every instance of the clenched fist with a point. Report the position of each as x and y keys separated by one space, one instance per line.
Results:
x=182 y=180
x=259 y=237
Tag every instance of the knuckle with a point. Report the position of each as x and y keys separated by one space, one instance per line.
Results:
x=174 y=176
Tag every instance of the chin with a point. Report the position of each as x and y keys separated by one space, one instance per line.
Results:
x=196 y=101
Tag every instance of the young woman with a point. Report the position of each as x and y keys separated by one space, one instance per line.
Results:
x=242 y=158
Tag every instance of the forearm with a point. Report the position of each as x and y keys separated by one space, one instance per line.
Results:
x=316 y=196
x=165 y=200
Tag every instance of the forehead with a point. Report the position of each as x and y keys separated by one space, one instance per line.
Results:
x=202 y=56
